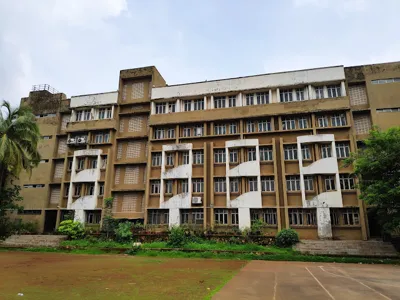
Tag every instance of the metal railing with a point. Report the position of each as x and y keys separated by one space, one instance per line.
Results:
x=44 y=87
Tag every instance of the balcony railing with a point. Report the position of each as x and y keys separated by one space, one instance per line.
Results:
x=44 y=87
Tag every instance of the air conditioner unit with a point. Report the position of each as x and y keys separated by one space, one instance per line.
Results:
x=71 y=141
x=81 y=140
x=196 y=200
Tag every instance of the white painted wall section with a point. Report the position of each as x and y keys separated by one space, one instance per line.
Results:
x=183 y=171
x=94 y=99
x=251 y=82
x=248 y=168
x=324 y=223
x=87 y=175
x=327 y=165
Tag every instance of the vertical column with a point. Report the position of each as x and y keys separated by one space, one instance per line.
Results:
x=178 y=105
x=343 y=89
x=93 y=113
x=278 y=96
x=302 y=188
x=239 y=100
x=152 y=108
x=205 y=102
x=294 y=94
x=228 y=194
x=310 y=92
x=226 y=101
x=338 y=189
x=270 y=96
x=112 y=111
x=212 y=102
x=325 y=92
x=162 y=177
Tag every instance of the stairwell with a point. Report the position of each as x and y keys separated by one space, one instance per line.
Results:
x=370 y=248
x=33 y=241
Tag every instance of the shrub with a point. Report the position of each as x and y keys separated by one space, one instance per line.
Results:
x=123 y=232
x=74 y=230
x=177 y=237
x=286 y=238
x=256 y=226
x=25 y=227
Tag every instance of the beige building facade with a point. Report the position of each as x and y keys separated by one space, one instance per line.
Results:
x=212 y=154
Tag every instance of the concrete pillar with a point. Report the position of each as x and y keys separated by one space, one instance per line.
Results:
x=205 y=102
x=152 y=108
x=212 y=102
x=178 y=105
x=270 y=96
x=239 y=100
x=310 y=92
x=343 y=89
x=278 y=96
x=244 y=218
x=324 y=223
x=325 y=92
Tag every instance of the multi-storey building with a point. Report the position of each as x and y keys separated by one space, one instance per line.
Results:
x=216 y=153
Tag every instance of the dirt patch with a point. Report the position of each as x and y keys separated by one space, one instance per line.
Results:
x=73 y=276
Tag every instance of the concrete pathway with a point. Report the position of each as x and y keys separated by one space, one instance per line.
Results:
x=296 y=280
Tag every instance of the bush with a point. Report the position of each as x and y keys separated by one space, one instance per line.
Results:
x=20 y=227
x=123 y=232
x=74 y=230
x=177 y=237
x=286 y=238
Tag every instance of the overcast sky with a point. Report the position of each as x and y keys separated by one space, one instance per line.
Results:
x=79 y=46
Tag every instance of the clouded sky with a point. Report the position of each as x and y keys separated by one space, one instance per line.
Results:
x=79 y=46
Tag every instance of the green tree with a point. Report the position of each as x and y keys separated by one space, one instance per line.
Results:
x=19 y=138
x=9 y=197
x=377 y=166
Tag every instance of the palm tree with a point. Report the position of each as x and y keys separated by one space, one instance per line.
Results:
x=19 y=138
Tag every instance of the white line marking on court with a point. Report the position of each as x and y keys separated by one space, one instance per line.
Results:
x=330 y=295
x=275 y=286
x=356 y=280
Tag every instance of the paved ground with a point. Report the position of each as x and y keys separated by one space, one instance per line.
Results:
x=295 y=280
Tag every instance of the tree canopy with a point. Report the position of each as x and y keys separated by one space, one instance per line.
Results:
x=377 y=166
x=19 y=138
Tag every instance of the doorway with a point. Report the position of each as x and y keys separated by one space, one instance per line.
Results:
x=50 y=221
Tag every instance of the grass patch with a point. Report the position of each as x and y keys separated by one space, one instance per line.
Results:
x=94 y=243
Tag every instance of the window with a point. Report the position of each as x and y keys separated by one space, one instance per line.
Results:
x=47 y=137
x=264 y=126
x=101 y=189
x=290 y=152
x=305 y=152
x=43 y=161
x=155 y=186
x=30 y=212
x=232 y=128
x=168 y=187
x=323 y=121
x=98 y=138
x=252 y=184
x=234 y=185
x=219 y=185
x=184 y=217
x=171 y=107
x=265 y=153
x=198 y=217
x=93 y=217
x=170 y=159
x=234 y=217
x=184 y=186
x=106 y=138
x=346 y=182
x=77 y=190
x=187 y=105
x=79 y=114
x=219 y=156
x=300 y=216
x=158 y=217
x=339 y=120
x=159 y=134
x=219 y=102
x=93 y=163
x=198 y=157
x=267 y=184
x=233 y=156
x=342 y=149
x=293 y=183
x=262 y=98
x=160 y=108
x=69 y=165
x=288 y=123
x=198 y=185
x=319 y=92
x=308 y=183
x=185 y=158
x=33 y=186
x=104 y=162
x=170 y=133
x=351 y=216
x=105 y=113
x=326 y=151
x=156 y=159
x=251 y=154
x=249 y=99
x=334 y=91
x=330 y=183
x=198 y=130
x=219 y=129
x=269 y=216
x=90 y=189
x=393 y=109
x=303 y=122
x=86 y=115
x=286 y=95
x=387 y=80
x=300 y=94
x=232 y=101
x=198 y=104
x=66 y=190
x=251 y=127
x=221 y=216
x=81 y=163
x=186 y=131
